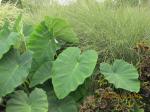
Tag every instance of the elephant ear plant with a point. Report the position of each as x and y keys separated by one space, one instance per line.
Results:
x=25 y=70
x=75 y=68
x=122 y=75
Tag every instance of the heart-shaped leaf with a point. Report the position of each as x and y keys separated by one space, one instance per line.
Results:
x=122 y=75
x=21 y=102
x=70 y=70
x=13 y=71
x=61 y=29
x=42 y=74
x=7 y=39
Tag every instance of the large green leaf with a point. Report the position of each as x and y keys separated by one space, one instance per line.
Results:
x=44 y=48
x=61 y=29
x=42 y=44
x=65 y=105
x=70 y=70
x=21 y=102
x=122 y=75
x=42 y=74
x=7 y=39
x=14 y=69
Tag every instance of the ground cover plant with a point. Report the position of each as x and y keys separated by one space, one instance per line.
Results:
x=83 y=57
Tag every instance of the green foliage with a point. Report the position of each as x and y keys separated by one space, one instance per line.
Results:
x=15 y=66
x=42 y=44
x=21 y=69
x=42 y=74
x=41 y=7
x=64 y=71
x=75 y=68
x=46 y=34
x=8 y=12
x=14 y=69
x=65 y=105
x=127 y=2
x=112 y=31
x=140 y=110
x=57 y=29
x=7 y=39
x=130 y=2
x=18 y=25
x=122 y=75
x=61 y=29
x=35 y=102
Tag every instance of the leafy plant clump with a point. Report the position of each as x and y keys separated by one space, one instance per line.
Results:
x=107 y=100
x=35 y=60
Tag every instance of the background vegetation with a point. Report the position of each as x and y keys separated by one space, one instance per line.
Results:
x=8 y=12
x=112 y=31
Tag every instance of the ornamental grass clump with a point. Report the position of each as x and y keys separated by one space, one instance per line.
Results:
x=8 y=12
x=112 y=31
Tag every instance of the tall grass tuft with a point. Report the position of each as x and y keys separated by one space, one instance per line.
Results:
x=110 y=30
x=38 y=9
x=8 y=12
